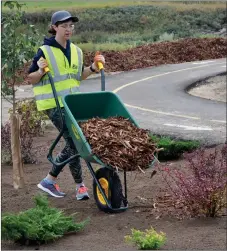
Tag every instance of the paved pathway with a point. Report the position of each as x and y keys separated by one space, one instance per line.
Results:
x=157 y=99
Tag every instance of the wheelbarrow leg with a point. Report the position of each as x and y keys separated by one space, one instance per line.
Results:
x=125 y=201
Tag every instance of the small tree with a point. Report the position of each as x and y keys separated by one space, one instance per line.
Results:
x=18 y=48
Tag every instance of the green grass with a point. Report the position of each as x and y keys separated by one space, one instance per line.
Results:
x=134 y=38
x=134 y=25
x=198 y=35
x=34 y=6
x=124 y=44
x=173 y=149
x=117 y=41
x=90 y=47
x=120 y=28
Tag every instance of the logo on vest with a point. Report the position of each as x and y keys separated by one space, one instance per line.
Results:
x=74 y=66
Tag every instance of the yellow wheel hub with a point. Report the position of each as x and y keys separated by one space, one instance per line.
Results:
x=105 y=185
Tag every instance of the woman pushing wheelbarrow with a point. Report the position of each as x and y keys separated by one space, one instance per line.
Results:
x=65 y=62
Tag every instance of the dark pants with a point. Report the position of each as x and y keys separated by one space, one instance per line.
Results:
x=69 y=149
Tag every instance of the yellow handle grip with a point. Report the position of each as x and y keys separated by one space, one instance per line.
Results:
x=100 y=65
x=46 y=69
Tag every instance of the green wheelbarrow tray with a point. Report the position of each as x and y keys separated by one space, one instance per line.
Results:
x=91 y=105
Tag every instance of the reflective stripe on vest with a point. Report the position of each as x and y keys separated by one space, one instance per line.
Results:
x=52 y=60
x=59 y=78
x=60 y=93
x=66 y=78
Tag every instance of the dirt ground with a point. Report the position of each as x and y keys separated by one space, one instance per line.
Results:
x=107 y=231
x=213 y=88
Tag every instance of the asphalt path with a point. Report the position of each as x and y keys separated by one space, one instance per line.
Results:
x=157 y=98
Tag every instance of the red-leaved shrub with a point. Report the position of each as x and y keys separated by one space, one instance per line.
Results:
x=200 y=187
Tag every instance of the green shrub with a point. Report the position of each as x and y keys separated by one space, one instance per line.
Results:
x=166 y=37
x=138 y=19
x=147 y=240
x=40 y=224
x=28 y=110
x=134 y=25
x=173 y=149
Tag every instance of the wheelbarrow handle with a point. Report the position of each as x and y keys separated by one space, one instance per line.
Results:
x=50 y=154
x=47 y=70
x=101 y=68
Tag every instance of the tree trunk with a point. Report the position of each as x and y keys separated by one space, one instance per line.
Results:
x=18 y=173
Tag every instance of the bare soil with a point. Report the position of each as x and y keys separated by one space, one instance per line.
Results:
x=107 y=231
x=213 y=88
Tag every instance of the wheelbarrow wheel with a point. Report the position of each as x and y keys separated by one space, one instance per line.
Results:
x=111 y=184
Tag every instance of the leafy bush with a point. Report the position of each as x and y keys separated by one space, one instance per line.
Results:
x=173 y=149
x=32 y=123
x=29 y=114
x=166 y=37
x=150 y=22
x=40 y=224
x=147 y=240
x=202 y=190
x=18 y=46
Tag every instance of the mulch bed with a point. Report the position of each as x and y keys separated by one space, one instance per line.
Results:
x=183 y=50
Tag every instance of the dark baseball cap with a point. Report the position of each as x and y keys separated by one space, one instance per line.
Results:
x=62 y=15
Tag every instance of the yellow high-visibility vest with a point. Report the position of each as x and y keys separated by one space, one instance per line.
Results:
x=66 y=77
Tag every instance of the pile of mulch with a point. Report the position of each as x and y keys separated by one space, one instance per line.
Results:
x=183 y=50
x=119 y=143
